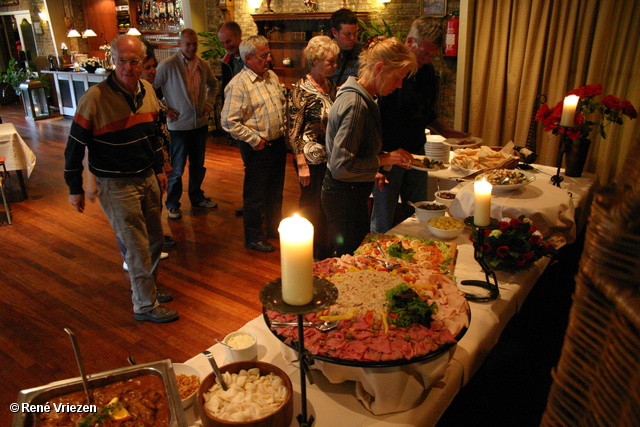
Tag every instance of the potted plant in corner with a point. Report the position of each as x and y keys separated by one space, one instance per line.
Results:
x=10 y=82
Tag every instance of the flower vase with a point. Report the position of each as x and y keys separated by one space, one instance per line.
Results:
x=576 y=153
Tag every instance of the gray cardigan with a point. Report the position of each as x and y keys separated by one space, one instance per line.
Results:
x=171 y=77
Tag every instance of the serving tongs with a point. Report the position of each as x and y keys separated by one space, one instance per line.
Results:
x=76 y=350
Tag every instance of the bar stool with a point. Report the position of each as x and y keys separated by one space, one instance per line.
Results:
x=3 y=175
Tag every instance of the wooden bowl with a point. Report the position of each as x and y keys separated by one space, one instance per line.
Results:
x=281 y=417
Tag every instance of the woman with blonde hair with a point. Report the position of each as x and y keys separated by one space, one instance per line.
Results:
x=311 y=99
x=354 y=142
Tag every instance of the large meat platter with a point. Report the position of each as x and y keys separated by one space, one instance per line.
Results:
x=376 y=330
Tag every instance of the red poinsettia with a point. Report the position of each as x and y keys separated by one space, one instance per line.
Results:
x=594 y=116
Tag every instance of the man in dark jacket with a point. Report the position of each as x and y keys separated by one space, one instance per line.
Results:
x=230 y=35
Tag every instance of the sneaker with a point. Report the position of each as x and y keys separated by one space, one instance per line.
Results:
x=261 y=246
x=207 y=203
x=175 y=213
x=169 y=242
x=163 y=255
x=159 y=314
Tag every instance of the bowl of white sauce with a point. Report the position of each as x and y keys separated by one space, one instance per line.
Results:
x=241 y=346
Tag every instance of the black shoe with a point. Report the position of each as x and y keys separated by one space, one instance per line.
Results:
x=159 y=314
x=163 y=295
x=261 y=246
x=239 y=212
x=169 y=242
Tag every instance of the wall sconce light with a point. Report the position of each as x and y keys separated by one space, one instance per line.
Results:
x=255 y=4
x=133 y=31
x=44 y=16
x=89 y=33
x=384 y=2
x=73 y=33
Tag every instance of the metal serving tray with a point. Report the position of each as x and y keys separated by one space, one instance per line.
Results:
x=163 y=368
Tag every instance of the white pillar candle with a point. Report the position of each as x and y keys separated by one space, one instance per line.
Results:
x=569 y=110
x=482 y=203
x=296 y=260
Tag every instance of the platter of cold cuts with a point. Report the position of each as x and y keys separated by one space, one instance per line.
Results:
x=397 y=304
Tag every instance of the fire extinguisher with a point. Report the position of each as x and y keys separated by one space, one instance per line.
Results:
x=451 y=36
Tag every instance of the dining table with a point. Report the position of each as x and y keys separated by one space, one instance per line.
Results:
x=18 y=156
x=409 y=394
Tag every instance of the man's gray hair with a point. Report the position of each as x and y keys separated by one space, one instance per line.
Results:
x=248 y=46
x=426 y=28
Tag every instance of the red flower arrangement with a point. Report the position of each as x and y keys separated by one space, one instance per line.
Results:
x=516 y=244
x=594 y=116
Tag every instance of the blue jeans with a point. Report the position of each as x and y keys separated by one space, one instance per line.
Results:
x=133 y=207
x=408 y=184
x=185 y=144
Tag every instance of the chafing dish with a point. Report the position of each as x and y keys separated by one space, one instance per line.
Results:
x=162 y=368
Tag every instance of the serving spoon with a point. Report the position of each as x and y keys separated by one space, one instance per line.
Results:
x=216 y=370
x=322 y=327
x=83 y=375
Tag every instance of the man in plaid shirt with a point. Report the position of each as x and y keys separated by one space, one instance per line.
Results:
x=254 y=113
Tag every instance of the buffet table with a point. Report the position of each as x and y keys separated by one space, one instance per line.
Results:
x=337 y=404
x=356 y=394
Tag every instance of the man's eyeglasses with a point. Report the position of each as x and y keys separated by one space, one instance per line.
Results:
x=264 y=55
x=133 y=62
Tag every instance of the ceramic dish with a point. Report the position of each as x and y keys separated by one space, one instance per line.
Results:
x=420 y=168
x=494 y=176
x=472 y=141
x=181 y=368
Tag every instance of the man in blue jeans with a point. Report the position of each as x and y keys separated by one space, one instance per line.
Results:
x=190 y=90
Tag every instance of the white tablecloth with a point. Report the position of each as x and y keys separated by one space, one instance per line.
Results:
x=17 y=154
x=550 y=208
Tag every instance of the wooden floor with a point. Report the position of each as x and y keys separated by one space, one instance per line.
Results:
x=60 y=268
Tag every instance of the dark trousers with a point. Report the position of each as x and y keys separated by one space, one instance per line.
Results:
x=262 y=192
x=311 y=208
x=187 y=144
x=346 y=206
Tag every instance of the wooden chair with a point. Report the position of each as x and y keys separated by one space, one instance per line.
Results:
x=3 y=175
x=597 y=380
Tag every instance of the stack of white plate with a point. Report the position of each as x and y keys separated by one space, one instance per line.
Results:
x=434 y=149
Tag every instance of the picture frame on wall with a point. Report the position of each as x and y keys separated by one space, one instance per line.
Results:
x=436 y=8
x=37 y=28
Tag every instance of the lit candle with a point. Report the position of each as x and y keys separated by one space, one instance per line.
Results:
x=76 y=66
x=569 y=110
x=296 y=260
x=482 y=203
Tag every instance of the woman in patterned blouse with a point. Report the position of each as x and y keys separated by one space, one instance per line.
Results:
x=311 y=100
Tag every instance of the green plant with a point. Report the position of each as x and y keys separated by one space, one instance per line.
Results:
x=213 y=44
x=15 y=75
x=385 y=30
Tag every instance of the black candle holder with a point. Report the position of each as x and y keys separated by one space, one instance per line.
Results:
x=325 y=293
x=478 y=255
x=562 y=148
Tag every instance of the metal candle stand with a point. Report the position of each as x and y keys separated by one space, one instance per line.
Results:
x=562 y=148
x=478 y=255
x=324 y=294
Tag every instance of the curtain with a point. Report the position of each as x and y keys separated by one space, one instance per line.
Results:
x=523 y=48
